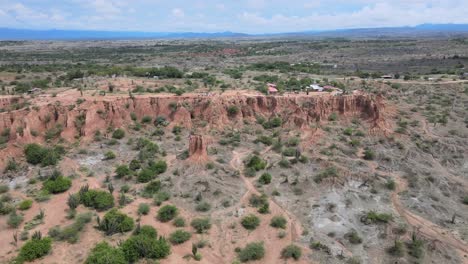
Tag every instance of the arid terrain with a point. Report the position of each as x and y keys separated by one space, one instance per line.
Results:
x=114 y=141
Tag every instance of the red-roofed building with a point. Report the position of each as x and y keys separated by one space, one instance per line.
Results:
x=272 y=88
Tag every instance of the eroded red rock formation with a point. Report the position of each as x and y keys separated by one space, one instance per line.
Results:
x=197 y=148
x=99 y=113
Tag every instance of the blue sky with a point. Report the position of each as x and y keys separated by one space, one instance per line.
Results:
x=249 y=16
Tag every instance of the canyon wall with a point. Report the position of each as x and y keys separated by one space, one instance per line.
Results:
x=99 y=113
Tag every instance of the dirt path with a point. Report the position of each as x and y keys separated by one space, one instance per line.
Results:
x=426 y=227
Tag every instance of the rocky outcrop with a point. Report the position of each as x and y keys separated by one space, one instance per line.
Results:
x=73 y=121
x=197 y=148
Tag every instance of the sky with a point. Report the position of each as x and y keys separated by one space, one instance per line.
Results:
x=246 y=16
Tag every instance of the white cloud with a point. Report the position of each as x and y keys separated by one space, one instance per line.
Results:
x=178 y=13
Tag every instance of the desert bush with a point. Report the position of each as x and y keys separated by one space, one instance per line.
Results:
x=146 y=119
x=369 y=154
x=373 y=217
x=252 y=251
x=272 y=123
x=122 y=171
x=465 y=200
x=265 y=178
x=12 y=165
x=116 y=222
x=179 y=237
x=4 y=189
x=109 y=155
x=71 y=233
x=152 y=188
x=25 y=204
x=256 y=163
x=328 y=172
x=167 y=213
x=250 y=222
x=97 y=199
x=158 y=167
x=103 y=253
x=353 y=237
x=161 y=197
x=203 y=207
x=265 y=140
x=333 y=117
x=397 y=249
x=143 y=209
x=415 y=247
x=14 y=219
x=58 y=184
x=146 y=175
x=36 y=154
x=258 y=201
x=278 y=222
x=145 y=244
x=390 y=184
x=232 y=110
x=34 y=249
x=201 y=225
x=179 y=222
x=291 y=251
x=118 y=133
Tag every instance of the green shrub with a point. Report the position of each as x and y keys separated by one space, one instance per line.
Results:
x=145 y=244
x=373 y=217
x=353 y=237
x=99 y=200
x=34 y=249
x=252 y=251
x=465 y=200
x=250 y=222
x=291 y=251
x=284 y=163
x=58 y=184
x=289 y=152
x=71 y=233
x=369 y=154
x=4 y=189
x=265 y=178
x=14 y=219
x=273 y=123
x=12 y=165
x=109 y=155
x=232 y=110
x=265 y=140
x=116 y=222
x=146 y=119
x=391 y=185
x=327 y=173
x=397 y=249
x=415 y=248
x=256 y=163
x=25 y=205
x=146 y=230
x=278 y=222
x=203 y=207
x=34 y=153
x=333 y=117
x=122 y=171
x=161 y=197
x=118 y=134
x=158 y=167
x=103 y=253
x=143 y=209
x=258 y=201
x=167 y=213
x=179 y=222
x=146 y=175
x=152 y=187
x=201 y=225
x=179 y=237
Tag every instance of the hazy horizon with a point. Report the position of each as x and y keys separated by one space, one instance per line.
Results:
x=245 y=16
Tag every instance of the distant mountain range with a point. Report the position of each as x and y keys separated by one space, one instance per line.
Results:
x=420 y=30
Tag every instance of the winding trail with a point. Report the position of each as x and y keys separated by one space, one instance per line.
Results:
x=236 y=163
